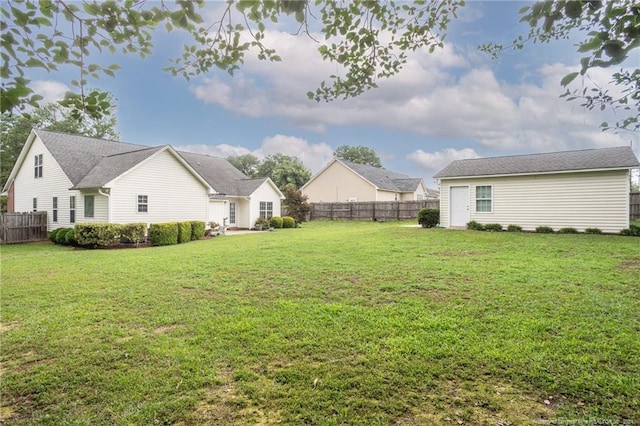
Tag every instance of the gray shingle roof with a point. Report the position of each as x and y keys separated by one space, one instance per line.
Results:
x=382 y=178
x=91 y=163
x=589 y=159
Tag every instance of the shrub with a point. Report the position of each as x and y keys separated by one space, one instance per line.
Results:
x=60 y=236
x=163 y=234
x=514 y=228
x=276 y=222
x=133 y=233
x=593 y=231
x=197 y=229
x=632 y=231
x=288 y=222
x=261 y=223
x=97 y=234
x=52 y=235
x=184 y=232
x=429 y=218
x=493 y=227
x=544 y=230
x=567 y=230
x=70 y=237
x=475 y=226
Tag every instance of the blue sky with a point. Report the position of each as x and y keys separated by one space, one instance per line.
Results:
x=455 y=103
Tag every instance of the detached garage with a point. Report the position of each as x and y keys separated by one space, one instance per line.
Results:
x=578 y=189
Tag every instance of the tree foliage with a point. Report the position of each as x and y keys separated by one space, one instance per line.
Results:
x=15 y=128
x=612 y=32
x=284 y=170
x=297 y=204
x=247 y=163
x=359 y=154
x=368 y=40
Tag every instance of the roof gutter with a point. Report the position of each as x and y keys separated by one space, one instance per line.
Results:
x=106 y=194
x=555 y=172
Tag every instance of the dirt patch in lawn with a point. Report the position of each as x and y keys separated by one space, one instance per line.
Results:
x=632 y=265
x=6 y=326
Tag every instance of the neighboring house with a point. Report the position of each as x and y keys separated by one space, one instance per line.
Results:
x=578 y=189
x=342 y=180
x=79 y=179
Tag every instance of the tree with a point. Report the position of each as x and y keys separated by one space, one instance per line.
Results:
x=612 y=32
x=15 y=128
x=247 y=163
x=283 y=170
x=359 y=154
x=297 y=204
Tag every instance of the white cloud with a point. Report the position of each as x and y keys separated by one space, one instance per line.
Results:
x=434 y=161
x=51 y=91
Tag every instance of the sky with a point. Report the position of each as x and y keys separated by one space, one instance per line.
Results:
x=452 y=104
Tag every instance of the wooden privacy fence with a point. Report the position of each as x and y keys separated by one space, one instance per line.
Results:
x=634 y=206
x=23 y=227
x=371 y=210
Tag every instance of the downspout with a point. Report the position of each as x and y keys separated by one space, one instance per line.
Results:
x=106 y=194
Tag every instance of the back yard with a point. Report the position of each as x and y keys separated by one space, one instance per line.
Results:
x=334 y=323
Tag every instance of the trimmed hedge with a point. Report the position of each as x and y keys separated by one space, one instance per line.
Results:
x=475 y=226
x=53 y=234
x=133 y=233
x=593 y=231
x=70 y=237
x=544 y=230
x=288 y=222
x=197 y=229
x=97 y=234
x=163 y=234
x=514 y=228
x=493 y=227
x=632 y=231
x=567 y=230
x=276 y=222
x=429 y=218
x=262 y=223
x=184 y=232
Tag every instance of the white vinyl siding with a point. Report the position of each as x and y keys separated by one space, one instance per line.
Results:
x=249 y=212
x=579 y=200
x=174 y=193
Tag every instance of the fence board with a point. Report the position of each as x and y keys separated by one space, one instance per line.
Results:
x=371 y=210
x=23 y=227
x=634 y=206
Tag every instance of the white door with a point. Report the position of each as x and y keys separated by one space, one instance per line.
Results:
x=459 y=206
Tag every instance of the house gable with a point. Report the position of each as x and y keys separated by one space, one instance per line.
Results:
x=338 y=182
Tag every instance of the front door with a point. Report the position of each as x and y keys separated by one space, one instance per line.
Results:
x=459 y=206
x=233 y=220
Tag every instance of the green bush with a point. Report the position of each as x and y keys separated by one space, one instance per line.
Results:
x=60 y=236
x=97 y=234
x=70 y=237
x=593 y=231
x=163 y=234
x=261 y=223
x=493 y=227
x=184 y=232
x=429 y=218
x=632 y=231
x=197 y=229
x=276 y=222
x=514 y=228
x=133 y=233
x=288 y=222
x=544 y=230
x=567 y=230
x=475 y=226
x=52 y=235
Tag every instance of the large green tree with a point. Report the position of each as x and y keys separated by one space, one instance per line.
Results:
x=247 y=163
x=359 y=154
x=284 y=170
x=15 y=128
x=296 y=203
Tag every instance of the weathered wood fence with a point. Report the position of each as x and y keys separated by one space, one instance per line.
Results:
x=371 y=210
x=634 y=206
x=23 y=227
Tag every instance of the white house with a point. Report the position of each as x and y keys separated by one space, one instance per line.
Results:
x=80 y=179
x=578 y=189
x=341 y=180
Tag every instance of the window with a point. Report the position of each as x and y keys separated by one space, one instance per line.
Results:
x=35 y=204
x=266 y=209
x=484 y=199
x=419 y=197
x=38 y=166
x=232 y=212
x=143 y=203
x=88 y=205
x=72 y=209
x=55 y=209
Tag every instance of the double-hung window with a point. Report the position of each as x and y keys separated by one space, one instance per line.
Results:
x=266 y=209
x=484 y=199
x=88 y=205
x=37 y=171
x=143 y=203
x=72 y=209
x=35 y=204
x=55 y=209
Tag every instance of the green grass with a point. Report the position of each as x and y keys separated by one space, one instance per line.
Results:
x=333 y=323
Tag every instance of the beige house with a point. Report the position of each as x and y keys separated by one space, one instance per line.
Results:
x=578 y=189
x=342 y=180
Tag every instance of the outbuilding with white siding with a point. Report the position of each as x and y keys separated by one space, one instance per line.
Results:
x=579 y=189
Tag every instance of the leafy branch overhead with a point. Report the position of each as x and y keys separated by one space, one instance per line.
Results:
x=368 y=39
x=612 y=32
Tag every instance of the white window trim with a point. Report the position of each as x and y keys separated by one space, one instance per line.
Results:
x=93 y=207
x=483 y=199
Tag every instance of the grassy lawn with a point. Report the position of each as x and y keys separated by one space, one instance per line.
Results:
x=333 y=323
